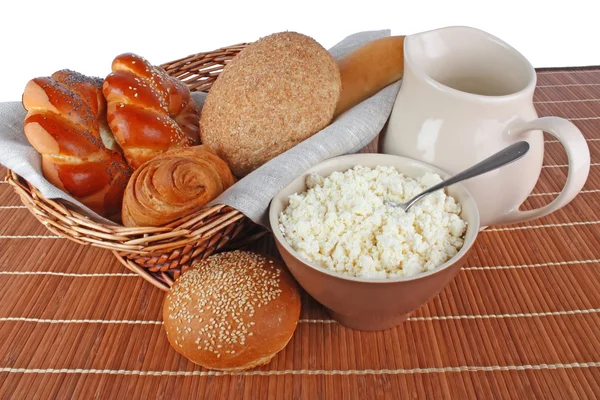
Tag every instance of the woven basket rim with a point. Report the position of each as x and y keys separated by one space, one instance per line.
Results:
x=138 y=240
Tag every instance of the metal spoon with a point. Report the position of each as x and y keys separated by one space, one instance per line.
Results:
x=503 y=157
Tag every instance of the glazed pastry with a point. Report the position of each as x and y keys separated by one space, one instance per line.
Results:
x=174 y=185
x=149 y=112
x=66 y=124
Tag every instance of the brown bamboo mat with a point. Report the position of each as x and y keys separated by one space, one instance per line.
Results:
x=522 y=320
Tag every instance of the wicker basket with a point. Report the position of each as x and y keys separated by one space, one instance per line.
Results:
x=159 y=255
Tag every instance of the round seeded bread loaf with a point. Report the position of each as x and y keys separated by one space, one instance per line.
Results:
x=277 y=92
x=232 y=311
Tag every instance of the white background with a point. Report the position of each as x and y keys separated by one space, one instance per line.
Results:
x=40 y=37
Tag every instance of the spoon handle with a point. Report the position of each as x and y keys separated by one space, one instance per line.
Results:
x=503 y=157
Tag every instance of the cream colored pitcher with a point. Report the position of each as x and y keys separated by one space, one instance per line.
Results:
x=466 y=95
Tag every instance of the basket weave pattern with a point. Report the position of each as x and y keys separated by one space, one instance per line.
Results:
x=161 y=254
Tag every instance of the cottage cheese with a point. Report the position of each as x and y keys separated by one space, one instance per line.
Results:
x=342 y=224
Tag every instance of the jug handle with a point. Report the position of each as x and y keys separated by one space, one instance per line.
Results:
x=578 y=155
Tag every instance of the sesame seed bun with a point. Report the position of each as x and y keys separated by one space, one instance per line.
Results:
x=232 y=311
x=277 y=92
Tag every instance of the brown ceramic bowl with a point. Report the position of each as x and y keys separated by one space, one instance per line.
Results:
x=372 y=304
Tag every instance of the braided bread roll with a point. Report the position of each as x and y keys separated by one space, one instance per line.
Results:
x=174 y=185
x=66 y=124
x=149 y=112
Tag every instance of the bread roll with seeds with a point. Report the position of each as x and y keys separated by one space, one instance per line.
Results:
x=275 y=93
x=66 y=124
x=232 y=311
x=148 y=111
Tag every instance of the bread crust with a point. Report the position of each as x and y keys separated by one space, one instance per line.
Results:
x=232 y=311
x=277 y=92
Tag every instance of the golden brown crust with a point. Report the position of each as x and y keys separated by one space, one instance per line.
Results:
x=149 y=112
x=174 y=185
x=66 y=116
x=276 y=93
x=232 y=311
x=368 y=69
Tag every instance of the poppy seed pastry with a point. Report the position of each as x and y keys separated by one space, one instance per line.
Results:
x=232 y=311
x=275 y=93
x=66 y=124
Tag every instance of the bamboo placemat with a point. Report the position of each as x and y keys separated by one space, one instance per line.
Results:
x=520 y=321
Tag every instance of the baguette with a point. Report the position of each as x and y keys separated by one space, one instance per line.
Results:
x=368 y=69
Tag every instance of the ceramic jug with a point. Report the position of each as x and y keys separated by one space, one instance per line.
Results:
x=465 y=95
